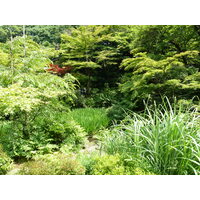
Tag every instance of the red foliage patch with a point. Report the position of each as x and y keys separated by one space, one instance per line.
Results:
x=58 y=70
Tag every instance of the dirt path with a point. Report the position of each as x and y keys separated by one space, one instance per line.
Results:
x=90 y=147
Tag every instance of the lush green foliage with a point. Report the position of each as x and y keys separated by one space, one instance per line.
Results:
x=5 y=162
x=108 y=72
x=17 y=146
x=105 y=164
x=91 y=119
x=27 y=91
x=48 y=130
x=164 y=140
x=48 y=35
x=54 y=164
x=165 y=41
x=95 y=52
x=61 y=129
x=169 y=76
x=108 y=165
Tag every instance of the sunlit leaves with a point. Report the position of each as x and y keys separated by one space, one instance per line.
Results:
x=26 y=55
x=4 y=58
x=16 y=98
x=30 y=91
x=166 y=76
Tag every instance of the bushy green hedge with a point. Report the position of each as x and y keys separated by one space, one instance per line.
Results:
x=105 y=164
x=50 y=130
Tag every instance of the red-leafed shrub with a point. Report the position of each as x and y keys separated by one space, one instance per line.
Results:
x=59 y=70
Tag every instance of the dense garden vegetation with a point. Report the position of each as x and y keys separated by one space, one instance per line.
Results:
x=100 y=100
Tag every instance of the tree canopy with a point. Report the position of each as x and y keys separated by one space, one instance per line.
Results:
x=143 y=60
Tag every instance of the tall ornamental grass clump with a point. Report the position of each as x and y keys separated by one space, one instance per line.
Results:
x=165 y=140
x=91 y=119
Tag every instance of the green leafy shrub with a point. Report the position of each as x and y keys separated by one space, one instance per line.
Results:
x=88 y=161
x=53 y=164
x=58 y=127
x=5 y=162
x=68 y=133
x=41 y=143
x=164 y=140
x=108 y=165
x=115 y=165
x=49 y=131
x=96 y=164
x=19 y=148
x=91 y=119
